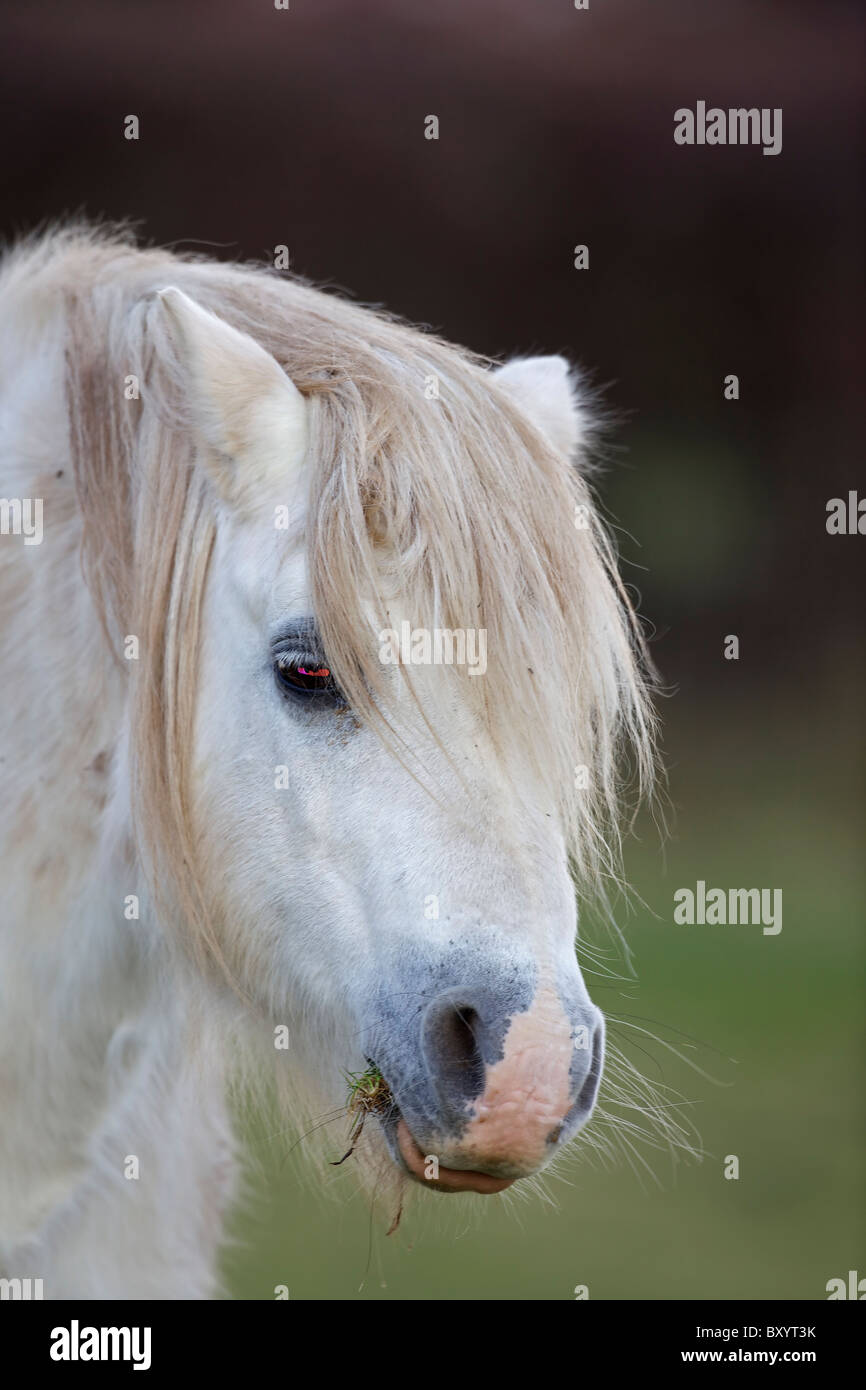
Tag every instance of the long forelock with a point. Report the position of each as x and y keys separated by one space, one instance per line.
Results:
x=460 y=500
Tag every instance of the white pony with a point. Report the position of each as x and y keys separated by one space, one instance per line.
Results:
x=233 y=831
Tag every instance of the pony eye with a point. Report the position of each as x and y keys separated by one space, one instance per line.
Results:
x=303 y=674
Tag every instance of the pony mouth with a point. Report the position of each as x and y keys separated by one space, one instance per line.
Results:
x=409 y=1156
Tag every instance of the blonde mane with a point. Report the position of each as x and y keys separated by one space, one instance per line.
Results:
x=474 y=507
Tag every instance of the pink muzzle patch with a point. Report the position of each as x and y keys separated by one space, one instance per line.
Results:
x=527 y=1094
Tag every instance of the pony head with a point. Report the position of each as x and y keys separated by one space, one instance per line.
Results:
x=387 y=670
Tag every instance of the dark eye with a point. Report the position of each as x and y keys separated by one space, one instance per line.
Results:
x=303 y=674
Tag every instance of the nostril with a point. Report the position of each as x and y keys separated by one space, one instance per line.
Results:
x=582 y=1108
x=590 y=1085
x=453 y=1055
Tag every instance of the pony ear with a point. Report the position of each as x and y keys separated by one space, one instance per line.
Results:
x=544 y=390
x=244 y=407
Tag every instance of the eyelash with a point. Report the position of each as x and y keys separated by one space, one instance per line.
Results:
x=312 y=677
